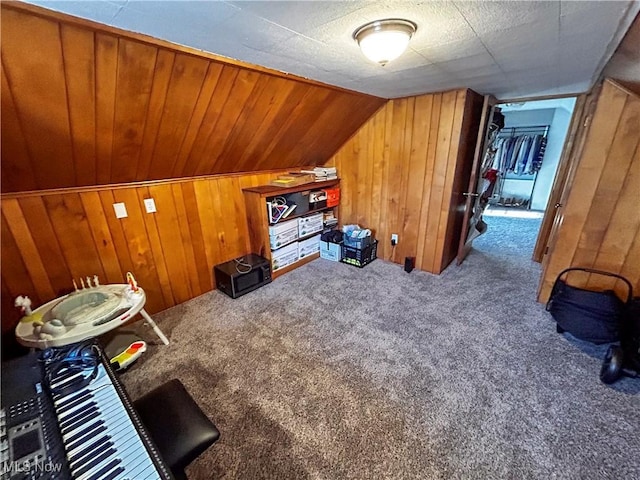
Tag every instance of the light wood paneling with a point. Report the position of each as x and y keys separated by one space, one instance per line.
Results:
x=404 y=170
x=50 y=238
x=600 y=219
x=86 y=104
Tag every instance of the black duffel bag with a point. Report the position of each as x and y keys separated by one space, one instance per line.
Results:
x=589 y=315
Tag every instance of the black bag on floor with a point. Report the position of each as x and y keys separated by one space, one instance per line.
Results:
x=586 y=314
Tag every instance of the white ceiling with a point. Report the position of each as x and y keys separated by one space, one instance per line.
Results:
x=510 y=49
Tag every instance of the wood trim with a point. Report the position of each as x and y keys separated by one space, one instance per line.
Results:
x=559 y=182
x=149 y=183
x=543 y=97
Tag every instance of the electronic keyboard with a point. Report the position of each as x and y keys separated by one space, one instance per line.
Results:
x=65 y=415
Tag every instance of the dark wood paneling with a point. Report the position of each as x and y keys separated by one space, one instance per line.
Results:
x=600 y=219
x=402 y=173
x=50 y=238
x=86 y=104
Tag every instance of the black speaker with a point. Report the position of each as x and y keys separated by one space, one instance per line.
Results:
x=409 y=264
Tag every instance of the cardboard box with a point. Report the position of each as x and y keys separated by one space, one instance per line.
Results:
x=309 y=246
x=310 y=224
x=284 y=256
x=331 y=251
x=283 y=233
x=333 y=196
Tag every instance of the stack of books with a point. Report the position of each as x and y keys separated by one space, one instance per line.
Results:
x=329 y=219
x=322 y=174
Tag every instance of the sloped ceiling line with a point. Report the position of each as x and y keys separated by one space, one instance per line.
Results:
x=158 y=113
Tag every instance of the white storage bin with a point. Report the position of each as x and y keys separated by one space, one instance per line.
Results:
x=309 y=246
x=283 y=233
x=284 y=256
x=311 y=224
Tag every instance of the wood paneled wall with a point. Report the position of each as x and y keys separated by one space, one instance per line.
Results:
x=50 y=238
x=87 y=104
x=600 y=218
x=404 y=172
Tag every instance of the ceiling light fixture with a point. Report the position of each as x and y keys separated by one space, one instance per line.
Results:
x=384 y=40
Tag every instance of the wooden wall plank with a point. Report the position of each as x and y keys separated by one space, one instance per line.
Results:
x=171 y=247
x=209 y=84
x=157 y=258
x=15 y=275
x=404 y=248
x=186 y=241
x=280 y=107
x=376 y=125
x=79 y=68
x=184 y=90
x=105 y=101
x=200 y=164
x=416 y=184
x=46 y=241
x=28 y=44
x=102 y=237
x=233 y=111
x=465 y=153
x=161 y=78
x=245 y=128
x=14 y=144
x=197 y=238
x=443 y=244
x=72 y=230
x=387 y=172
x=399 y=174
x=138 y=246
x=26 y=246
x=205 y=201
x=136 y=63
x=120 y=243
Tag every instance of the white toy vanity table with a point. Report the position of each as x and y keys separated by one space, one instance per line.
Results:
x=83 y=314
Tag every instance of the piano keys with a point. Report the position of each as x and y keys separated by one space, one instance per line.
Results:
x=92 y=431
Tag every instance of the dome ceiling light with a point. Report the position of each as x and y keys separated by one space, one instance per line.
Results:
x=384 y=40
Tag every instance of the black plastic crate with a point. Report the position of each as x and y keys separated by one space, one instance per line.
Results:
x=359 y=257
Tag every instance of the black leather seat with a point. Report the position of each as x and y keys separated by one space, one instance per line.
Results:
x=178 y=426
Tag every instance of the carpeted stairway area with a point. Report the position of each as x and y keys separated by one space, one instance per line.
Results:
x=334 y=372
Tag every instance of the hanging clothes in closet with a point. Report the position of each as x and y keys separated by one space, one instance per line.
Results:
x=520 y=155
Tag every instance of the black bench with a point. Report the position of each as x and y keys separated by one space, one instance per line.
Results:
x=177 y=425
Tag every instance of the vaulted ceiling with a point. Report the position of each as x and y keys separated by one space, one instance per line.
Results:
x=85 y=105
x=507 y=48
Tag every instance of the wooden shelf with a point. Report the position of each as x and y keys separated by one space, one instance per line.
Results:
x=293 y=266
x=258 y=221
x=272 y=190
x=310 y=212
x=300 y=239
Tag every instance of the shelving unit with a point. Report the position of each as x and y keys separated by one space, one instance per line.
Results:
x=258 y=220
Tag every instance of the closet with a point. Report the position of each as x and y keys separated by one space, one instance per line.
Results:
x=517 y=159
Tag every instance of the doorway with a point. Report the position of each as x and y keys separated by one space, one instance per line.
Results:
x=528 y=150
